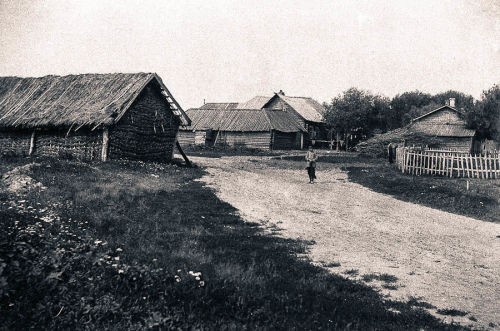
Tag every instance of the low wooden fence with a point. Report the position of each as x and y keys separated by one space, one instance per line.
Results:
x=447 y=163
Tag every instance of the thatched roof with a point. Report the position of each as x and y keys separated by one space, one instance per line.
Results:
x=75 y=100
x=242 y=120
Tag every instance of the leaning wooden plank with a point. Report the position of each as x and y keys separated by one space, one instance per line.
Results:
x=188 y=163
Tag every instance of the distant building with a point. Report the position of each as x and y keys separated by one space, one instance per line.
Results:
x=91 y=116
x=442 y=128
x=276 y=122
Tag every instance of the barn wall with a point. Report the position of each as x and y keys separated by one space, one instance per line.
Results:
x=186 y=138
x=285 y=140
x=147 y=131
x=14 y=142
x=83 y=144
x=259 y=140
x=459 y=144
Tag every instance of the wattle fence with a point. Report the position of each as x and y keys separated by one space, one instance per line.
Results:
x=447 y=163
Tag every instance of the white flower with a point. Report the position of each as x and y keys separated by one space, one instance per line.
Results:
x=120 y=271
x=119 y=249
x=117 y=258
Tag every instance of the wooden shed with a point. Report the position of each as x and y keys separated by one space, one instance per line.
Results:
x=251 y=128
x=307 y=111
x=443 y=128
x=90 y=116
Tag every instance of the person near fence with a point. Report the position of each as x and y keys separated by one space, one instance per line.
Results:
x=390 y=152
x=311 y=159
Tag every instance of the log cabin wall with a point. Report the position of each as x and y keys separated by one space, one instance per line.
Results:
x=147 y=131
x=285 y=140
x=257 y=140
x=186 y=138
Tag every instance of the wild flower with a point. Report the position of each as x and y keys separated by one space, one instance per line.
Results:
x=202 y=283
x=117 y=258
x=121 y=271
x=119 y=250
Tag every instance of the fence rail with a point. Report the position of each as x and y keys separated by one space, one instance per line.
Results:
x=448 y=163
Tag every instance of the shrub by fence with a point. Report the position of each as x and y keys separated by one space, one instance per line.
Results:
x=447 y=163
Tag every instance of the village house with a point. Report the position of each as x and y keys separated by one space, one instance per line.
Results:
x=90 y=116
x=250 y=128
x=275 y=122
x=442 y=128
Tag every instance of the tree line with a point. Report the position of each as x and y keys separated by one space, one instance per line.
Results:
x=360 y=112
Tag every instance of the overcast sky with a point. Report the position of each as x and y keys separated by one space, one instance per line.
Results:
x=233 y=50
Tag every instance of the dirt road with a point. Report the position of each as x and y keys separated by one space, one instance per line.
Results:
x=447 y=260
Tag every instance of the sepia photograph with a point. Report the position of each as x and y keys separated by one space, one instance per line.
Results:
x=249 y=165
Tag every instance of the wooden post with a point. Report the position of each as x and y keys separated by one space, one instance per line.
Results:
x=32 y=143
x=188 y=163
x=451 y=166
x=105 y=143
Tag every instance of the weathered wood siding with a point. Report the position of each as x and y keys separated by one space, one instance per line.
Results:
x=285 y=140
x=443 y=118
x=458 y=144
x=147 y=131
x=278 y=104
x=186 y=138
x=259 y=140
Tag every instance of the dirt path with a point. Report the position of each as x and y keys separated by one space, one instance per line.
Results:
x=450 y=261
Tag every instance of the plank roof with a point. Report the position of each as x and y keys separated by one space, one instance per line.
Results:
x=242 y=120
x=444 y=121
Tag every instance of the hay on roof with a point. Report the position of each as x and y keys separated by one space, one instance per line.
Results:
x=73 y=100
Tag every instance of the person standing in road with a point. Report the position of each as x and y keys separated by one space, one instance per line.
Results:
x=311 y=159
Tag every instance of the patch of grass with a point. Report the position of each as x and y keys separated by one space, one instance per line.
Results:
x=386 y=278
x=390 y=287
x=352 y=272
x=332 y=265
x=448 y=194
x=451 y=312
x=133 y=245
x=413 y=301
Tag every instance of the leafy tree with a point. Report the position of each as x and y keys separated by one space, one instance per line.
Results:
x=401 y=104
x=462 y=100
x=484 y=116
x=356 y=110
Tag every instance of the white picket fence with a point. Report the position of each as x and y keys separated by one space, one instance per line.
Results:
x=447 y=163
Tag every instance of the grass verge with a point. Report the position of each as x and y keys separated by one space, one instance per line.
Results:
x=128 y=245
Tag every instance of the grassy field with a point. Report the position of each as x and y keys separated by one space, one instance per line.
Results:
x=481 y=201
x=129 y=245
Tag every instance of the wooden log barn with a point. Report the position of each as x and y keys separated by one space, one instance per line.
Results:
x=250 y=128
x=266 y=122
x=90 y=116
